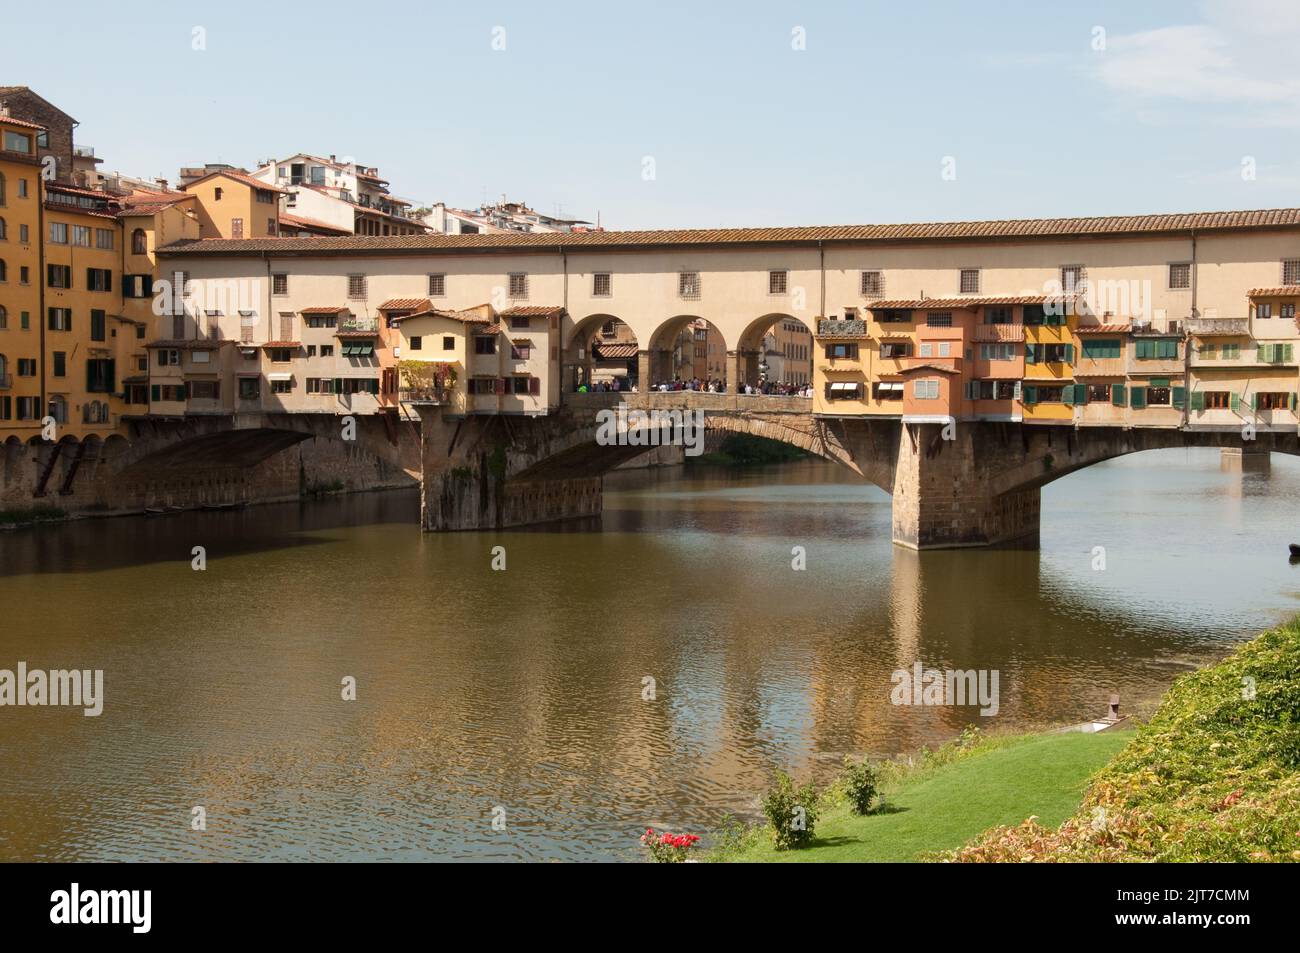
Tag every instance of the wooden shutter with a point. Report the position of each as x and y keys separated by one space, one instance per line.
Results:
x=1198 y=400
x=534 y=385
x=1031 y=353
x=1117 y=395
x=1069 y=353
x=499 y=385
x=155 y=392
x=1030 y=392
x=1138 y=398
x=1179 y=397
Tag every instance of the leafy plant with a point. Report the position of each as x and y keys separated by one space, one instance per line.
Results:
x=666 y=848
x=860 y=785
x=791 y=811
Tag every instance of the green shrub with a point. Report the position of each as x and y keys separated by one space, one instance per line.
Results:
x=791 y=811
x=860 y=784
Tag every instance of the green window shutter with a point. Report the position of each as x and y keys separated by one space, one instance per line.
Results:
x=1067 y=394
x=1158 y=382
x=1030 y=394
x=1081 y=393
x=1236 y=402
x=1167 y=350
x=1069 y=354
x=1179 y=397
x=1287 y=351
x=1139 y=398
x=1117 y=395
x=181 y=390
x=1145 y=350
x=1292 y=401
x=1031 y=353
x=155 y=392
x=1266 y=352
x=1198 y=400
x=1254 y=401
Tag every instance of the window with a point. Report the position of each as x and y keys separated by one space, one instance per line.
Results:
x=843 y=390
x=60 y=363
x=437 y=286
x=520 y=385
x=59 y=276
x=1099 y=393
x=1148 y=349
x=871 y=284
x=970 y=281
x=1180 y=275
x=58 y=233
x=448 y=342
x=485 y=344
x=887 y=390
x=1273 y=401
x=322 y=320
x=1100 y=349
x=205 y=390
x=1291 y=271
x=894 y=316
x=602 y=284
x=81 y=236
x=236 y=228
x=938 y=319
x=4 y=320
x=282 y=387
x=3 y=235
x=776 y=282
x=520 y=350
x=895 y=349
x=24 y=276
x=98 y=322
x=250 y=388
x=518 y=284
x=327 y=350
x=834 y=351
x=168 y=357
x=16 y=142
x=1276 y=353
x=1049 y=353
x=927 y=389
x=997 y=315
x=279 y=284
x=417 y=343
x=59 y=319
x=519 y=322
x=1286 y=311
x=139 y=243
x=200 y=357
x=26 y=367
x=356 y=286
x=688 y=284
x=4 y=270
x=1212 y=400
x=320 y=385
x=137 y=286
x=991 y=390
x=1158 y=396
x=22 y=188
x=2 y=189
x=1073 y=278
x=281 y=355
x=997 y=352
x=99 y=279
x=217 y=193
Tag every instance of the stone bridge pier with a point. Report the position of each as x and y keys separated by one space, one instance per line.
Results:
x=960 y=484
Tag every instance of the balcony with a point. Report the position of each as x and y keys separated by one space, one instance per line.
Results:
x=1218 y=325
x=359 y=326
x=425 y=395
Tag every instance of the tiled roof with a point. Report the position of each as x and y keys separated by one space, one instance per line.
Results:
x=1284 y=291
x=1103 y=329
x=269 y=344
x=302 y=221
x=614 y=352
x=238 y=177
x=931 y=367
x=532 y=311
x=1059 y=228
x=13 y=121
x=324 y=309
x=465 y=317
x=912 y=304
x=406 y=304
x=493 y=329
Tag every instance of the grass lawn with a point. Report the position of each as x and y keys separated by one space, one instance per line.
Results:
x=941 y=808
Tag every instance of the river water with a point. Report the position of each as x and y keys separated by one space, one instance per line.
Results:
x=521 y=695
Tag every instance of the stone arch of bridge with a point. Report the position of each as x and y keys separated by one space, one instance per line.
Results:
x=749 y=351
x=672 y=352
x=603 y=331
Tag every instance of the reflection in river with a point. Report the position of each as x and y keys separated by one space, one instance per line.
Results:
x=523 y=689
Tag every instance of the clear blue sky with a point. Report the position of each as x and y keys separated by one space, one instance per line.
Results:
x=743 y=129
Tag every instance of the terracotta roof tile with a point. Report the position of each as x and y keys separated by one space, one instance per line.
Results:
x=14 y=121
x=532 y=311
x=932 y=367
x=323 y=309
x=302 y=221
x=912 y=304
x=406 y=304
x=614 y=352
x=1103 y=329
x=465 y=317
x=289 y=344
x=1285 y=291
x=241 y=177
x=1058 y=228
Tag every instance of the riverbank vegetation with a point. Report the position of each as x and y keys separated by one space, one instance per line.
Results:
x=25 y=515
x=1213 y=776
x=945 y=798
x=745 y=450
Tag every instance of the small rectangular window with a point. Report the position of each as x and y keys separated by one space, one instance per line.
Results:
x=1180 y=276
x=437 y=286
x=602 y=284
x=518 y=285
x=356 y=286
x=776 y=282
x=1291 y=271
x=688 y=285
x=872 y=284
x=970 y=281
x=279 y=284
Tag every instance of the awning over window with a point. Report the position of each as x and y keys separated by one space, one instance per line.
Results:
x=279 y=377
x=851 y=387
x=887 y=387
x=358 y=350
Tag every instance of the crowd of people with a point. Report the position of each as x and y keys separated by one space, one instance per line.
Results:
x=713 y=385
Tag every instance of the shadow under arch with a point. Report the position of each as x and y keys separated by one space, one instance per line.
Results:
x=600 y=349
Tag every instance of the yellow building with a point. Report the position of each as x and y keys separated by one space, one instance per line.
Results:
x=231 y=204
x=1048 y=391
x=21 y=395
x=82 y=294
